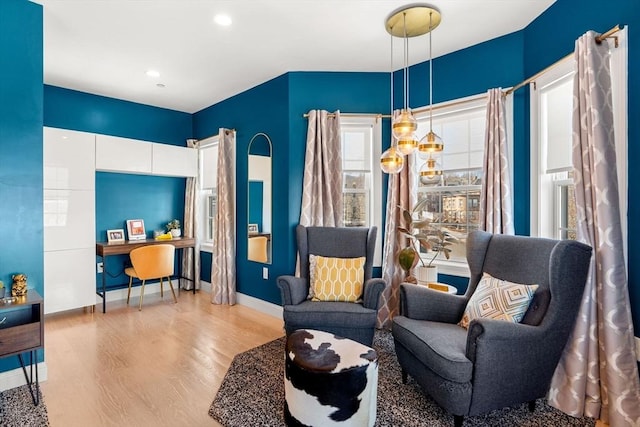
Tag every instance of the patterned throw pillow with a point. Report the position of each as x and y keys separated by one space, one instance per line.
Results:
x=498 y=299
x=338 y=279
x=313 y=261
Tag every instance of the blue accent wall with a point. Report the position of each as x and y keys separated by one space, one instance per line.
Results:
x=21 y=147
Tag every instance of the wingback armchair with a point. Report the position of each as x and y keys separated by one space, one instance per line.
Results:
x=353 y=320
x=495 y=363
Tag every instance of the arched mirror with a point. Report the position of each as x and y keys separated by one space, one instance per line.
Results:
x=259 y=204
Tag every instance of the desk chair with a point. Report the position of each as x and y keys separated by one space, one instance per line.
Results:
x=151 y=262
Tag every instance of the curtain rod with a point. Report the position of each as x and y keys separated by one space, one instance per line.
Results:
x=599 y=39
x=416 y=111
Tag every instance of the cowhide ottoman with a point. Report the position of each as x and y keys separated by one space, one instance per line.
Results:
x=329 y=380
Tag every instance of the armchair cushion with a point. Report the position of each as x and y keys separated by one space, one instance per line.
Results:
x=498 y=299
x=338 y=279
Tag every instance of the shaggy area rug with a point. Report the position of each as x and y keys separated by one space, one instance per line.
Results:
x=252 y=393
x=17 y=409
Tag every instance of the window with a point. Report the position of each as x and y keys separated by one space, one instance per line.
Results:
x=361 y=142
x=207 y=191
x=553 y=205
x=454 y=199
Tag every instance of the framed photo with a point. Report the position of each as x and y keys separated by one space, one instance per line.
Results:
x=115 y=236
x=135 y=229
x=253 y=228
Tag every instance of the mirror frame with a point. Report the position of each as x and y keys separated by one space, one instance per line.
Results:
x=269 y=235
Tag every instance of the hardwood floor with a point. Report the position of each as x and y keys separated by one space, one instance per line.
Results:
x=157 y=367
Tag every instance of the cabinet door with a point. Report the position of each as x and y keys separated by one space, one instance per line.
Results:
x=171 y=160
x=69 y=219
x=69 y=279
x=69 y=159
x=114 y=154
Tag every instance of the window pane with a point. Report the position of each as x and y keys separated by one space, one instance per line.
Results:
x=355 y=151
x=355 y=181
x=356 y=206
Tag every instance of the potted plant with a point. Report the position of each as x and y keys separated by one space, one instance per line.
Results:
x=423 y=233
x=173 y=227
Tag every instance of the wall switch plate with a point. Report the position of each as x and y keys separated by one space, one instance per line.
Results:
x=99 y=267
x=265 y=273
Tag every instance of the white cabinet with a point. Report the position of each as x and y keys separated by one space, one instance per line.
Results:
x=114 y=154
x=68 y=159
x=171 y=160
x=70 y=279
x=69 y=219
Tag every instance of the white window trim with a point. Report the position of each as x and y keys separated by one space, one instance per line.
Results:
x=375 y=210
x=204 y=244
x=461 y=268
x=619 y=71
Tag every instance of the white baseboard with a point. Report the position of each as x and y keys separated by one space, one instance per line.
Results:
x=637 y=349
x=15 y=377
x=151 y=288
x=251 y=302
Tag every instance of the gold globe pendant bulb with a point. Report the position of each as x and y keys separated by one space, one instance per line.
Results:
x=407 y=144
x=431 y=143
x=391 y=161
x=430 y=173
x=404 y=124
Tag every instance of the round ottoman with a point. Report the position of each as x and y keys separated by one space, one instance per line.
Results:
x=329 y=380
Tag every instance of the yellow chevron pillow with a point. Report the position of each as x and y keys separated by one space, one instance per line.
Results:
x=498 y=299
x=338 y=279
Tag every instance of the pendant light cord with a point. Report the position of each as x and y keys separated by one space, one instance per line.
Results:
x=406 y=62
x=430 y=76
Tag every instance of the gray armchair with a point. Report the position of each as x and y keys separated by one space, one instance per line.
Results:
x=355 y=321
x=494 y=363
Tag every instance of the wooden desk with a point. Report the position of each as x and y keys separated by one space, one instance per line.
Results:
x=105 y=249
x=22 y=331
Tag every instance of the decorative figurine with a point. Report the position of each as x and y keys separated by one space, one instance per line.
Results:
x=19 y=286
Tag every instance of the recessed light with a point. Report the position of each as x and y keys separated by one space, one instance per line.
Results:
x=221 y=19
x=153 y=73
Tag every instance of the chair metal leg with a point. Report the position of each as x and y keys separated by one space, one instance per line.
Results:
x=141 y=295
x=458 y=420
x=161 y=289
x=172 y=291
x=129 y=292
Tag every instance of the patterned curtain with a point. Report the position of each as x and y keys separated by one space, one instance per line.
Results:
x=401 y=191
x=223 y=264
x=190 y=228
x=496 y=197
x=322 y=185
x=597 y=375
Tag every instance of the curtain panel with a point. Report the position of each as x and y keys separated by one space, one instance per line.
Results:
x=322 y=182
x=190 y=229
x=496 y=196
x=223 y=265
x=598 y=375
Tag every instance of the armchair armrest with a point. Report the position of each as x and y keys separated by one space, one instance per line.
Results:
x=293 y=290
x=421 y=303
x=372 y=290
x=513 y=359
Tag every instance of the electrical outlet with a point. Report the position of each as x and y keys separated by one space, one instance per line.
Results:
x=265 y=273
x=100 y=267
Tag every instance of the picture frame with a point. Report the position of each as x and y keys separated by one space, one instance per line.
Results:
x=115 y=236
x=253 y=229
x=135 y=229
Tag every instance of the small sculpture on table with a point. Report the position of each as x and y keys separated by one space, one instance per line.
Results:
x=19 y=286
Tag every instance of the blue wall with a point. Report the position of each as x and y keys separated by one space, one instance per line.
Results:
x=119 y=197
x=21 y=146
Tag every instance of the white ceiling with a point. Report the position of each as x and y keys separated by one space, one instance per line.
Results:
x=106 y=46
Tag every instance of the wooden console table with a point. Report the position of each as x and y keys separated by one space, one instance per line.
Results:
x=22 y=331
x=105 y=249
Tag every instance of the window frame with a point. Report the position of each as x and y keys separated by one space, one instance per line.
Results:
x=204 y=194
x=373 y=126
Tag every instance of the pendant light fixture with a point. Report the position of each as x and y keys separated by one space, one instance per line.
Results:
x=409 y=21
x=431 y=142
x=392 y=160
